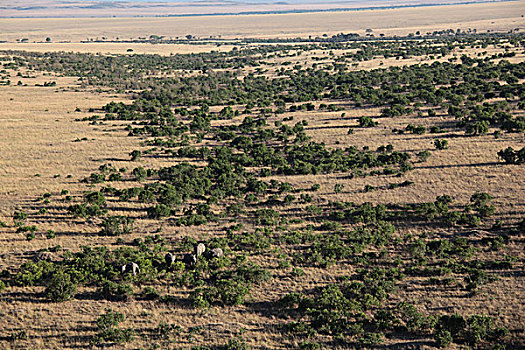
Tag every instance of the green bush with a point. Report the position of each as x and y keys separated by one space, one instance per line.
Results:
x=150 y=293
x=232 y=292
x=443 y=338
x=441 y=144
x=424 y=155
x=510 y=156
x=367 y=122
x=454 y=324
x=165 y=330
x=236 y=343
x=135 y=155
x=479 y=327
x=19 y=217
x=107 y=330
x=372 y=339
x=478 y=128
x=114 y=291
x=116 y=225
x=482 y=204
x=159 y=211
x=60 y=287
x=226 y=292
x=31 y=273
x=28 y=228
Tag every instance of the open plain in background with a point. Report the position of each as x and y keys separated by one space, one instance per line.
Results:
x=494 y=16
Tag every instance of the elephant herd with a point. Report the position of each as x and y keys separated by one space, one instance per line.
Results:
x=189 y=259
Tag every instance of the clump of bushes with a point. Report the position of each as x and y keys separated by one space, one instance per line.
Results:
x=108 y=331
x=510 y=156
x=473 y=330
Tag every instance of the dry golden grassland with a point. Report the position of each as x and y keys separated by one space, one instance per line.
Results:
x=39 y=133
x=496 y=16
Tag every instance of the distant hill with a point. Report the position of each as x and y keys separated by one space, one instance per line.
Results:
x=124 y=8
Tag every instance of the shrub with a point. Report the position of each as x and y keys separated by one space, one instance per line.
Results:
x=423 y=155
x=482 y=204
x=95 y=198
x=60 y=287
x=114 y=291
x=367 y=122
x=478 y=128
x=107 y=329
x=414 y=320
x=416 y=129
x=232 y=292
x=159 y=211
x=443 y=338
x=29 y=228
x=510 y=156
x=372 y=339
x=135 y=155
x=200 y=299
x=441 y=144
x=20 y=335
x=139 y=173
x=19 y=217
x=476 y=278
x=150 y=293
x=226 y=292
x=315 y=187
x=116 y=225
x=479 y=327
x=31 y=273
x=454 y=324
x=165 y=330
x=85 y=210
x=236 y=343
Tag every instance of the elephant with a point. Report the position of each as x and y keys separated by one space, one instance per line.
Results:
x=199 y=249
x=169 y=259
x=189 y=259
x=215 y=253
x=130 y=267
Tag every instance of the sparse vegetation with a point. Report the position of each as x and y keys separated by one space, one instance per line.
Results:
x=320 y=225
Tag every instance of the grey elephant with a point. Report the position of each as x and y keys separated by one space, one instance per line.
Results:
x=169 y=259
x=215 y=253
x=189 y=259
x=199 y=249
x=130 y=267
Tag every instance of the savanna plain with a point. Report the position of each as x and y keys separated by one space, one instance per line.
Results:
x=351 y=186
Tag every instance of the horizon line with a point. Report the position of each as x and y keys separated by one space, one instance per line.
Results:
x=271 y=12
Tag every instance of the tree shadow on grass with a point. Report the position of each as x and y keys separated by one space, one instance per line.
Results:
x=34 y=298
x=457 y=165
